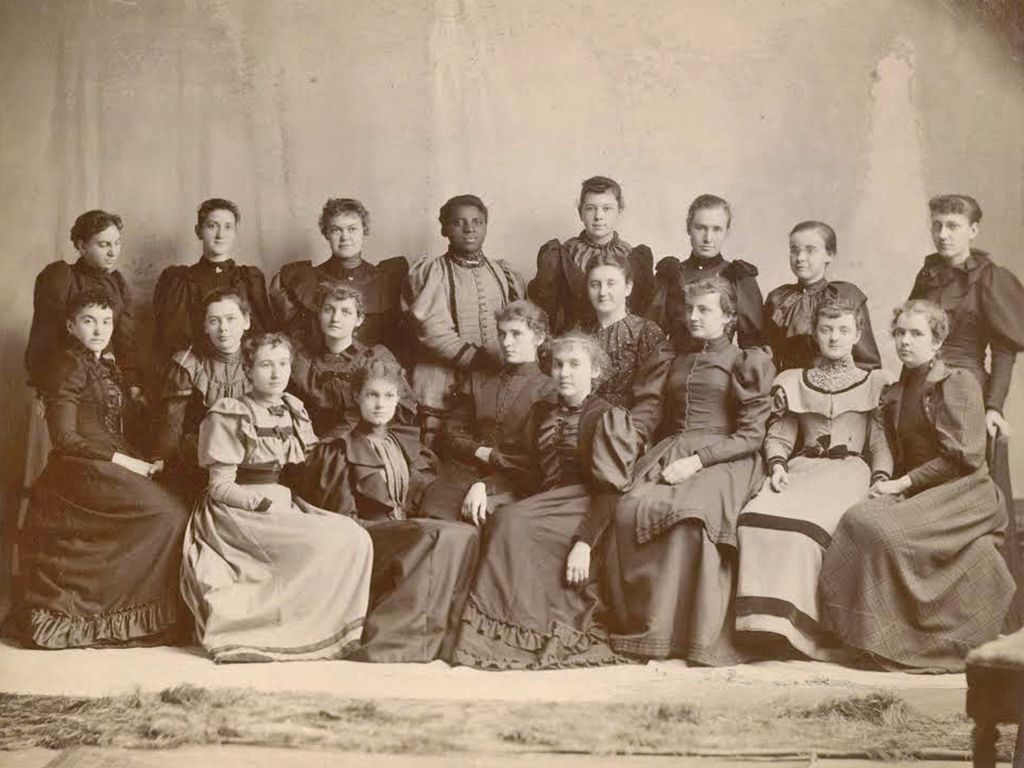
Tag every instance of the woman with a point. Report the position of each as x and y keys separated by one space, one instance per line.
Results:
x=378 y=472
x=627 y=339
x=197 y=378
x=535 y=602
x=269 y=577
x=344 y=223
x=913 y=577
x=825 y=446
x=707 y=223
x=672 y=562
x=323 y=368
x=102 y=544
x=790 y=310
x=560 y=285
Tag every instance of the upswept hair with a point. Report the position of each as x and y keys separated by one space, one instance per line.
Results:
x=379 y=368
x=459 y=200
x=535 y=318
x=92 y=223
x=253 y=344
x=835 y=308
x=828 y=235
x=611 y=259
x=216 y=204
x=598 y=357
x=938 y=320
x=335 y=206
x=703 y=202
x=334 y=290
x=91 y=297
x=599 y=185
x=965 y=205
x=227 y=294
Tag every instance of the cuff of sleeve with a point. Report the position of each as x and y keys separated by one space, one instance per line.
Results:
x=264 y=505
x=706 y=456
x=914 y=476
x=994 y=406
x=777 y=461
x=466 y=356
x=877 y=477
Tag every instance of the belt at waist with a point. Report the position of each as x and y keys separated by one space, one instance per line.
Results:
x=258 y=474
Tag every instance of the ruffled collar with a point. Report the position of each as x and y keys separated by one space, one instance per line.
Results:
x=696 y=262
x=835 y=375
x=466 y=261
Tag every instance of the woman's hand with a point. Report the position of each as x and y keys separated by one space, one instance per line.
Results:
x=681 y=469
x=996 y=424
x=156 y=467
x=779 y=479
x=577 y=566
x=483 y=454
x=135 y=393
x=138 y=466
x=889 y=487
x=474 y=505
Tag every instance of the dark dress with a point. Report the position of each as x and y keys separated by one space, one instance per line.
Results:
x=293 y=297
x=521 y=614
x=789 y=315
x=560 y=285
x=178 y=301
x=322 y=381
x=628 y=344
x=57 y=283
x=916 y=580
x=421 y=567
x=671 y=566
x=101 y=547
x=668 y=306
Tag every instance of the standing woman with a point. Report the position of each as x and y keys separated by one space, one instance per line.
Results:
x=344 y=223
x=102 y=545
x=913 y=577
x=560 y=285
x=707 y=222
x=628 y=339
x=268 y=576
x=671 y=565
x=790 y=310
x=535 y=603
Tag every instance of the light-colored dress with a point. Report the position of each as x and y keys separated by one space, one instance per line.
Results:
x=269 y=577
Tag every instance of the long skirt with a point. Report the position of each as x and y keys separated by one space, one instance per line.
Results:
x=918 y=582
x=782 y=539
x=521 y=614
x=288 y=584
x=422 y=570
x=100 y=554
x=671 y=563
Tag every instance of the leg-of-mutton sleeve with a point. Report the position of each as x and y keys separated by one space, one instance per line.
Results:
x=880 y=457
x=53 y=287
x=749 y=304
x=222 y=436
x=69 y=380
x=615 y=449
x=546 y=290
x=457 y=439
x=1002 y=304
x=865 y=351
x=783 y=430
x=287 y=310
x=648 y=388
x=752 y=376
x=426 y=302
x=956 y=410
x=172 y=321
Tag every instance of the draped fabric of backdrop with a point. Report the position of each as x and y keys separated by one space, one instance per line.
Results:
x=849 y=111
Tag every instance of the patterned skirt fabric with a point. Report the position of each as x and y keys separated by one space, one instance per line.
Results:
x=918 y=582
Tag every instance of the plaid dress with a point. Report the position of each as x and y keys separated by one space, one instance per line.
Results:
x=916 y=580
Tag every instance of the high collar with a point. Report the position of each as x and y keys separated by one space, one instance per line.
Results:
x=587 y=241
x=918 y=375
x=349 y=352
x=82 y=265
x=565 y=408
x=225 y=357
x=520 y=369
x=816 y=287
x=217 y=267
x=76 y=347
x=372 y=430
x=696 y=262
x=836 y=366
x=338 y=265
x=466 y=261
x=715 y=345
x=939 y=264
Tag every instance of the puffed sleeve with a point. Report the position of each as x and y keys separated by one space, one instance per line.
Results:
x=172 y=322
x=286 y=309
x=262 y=315
x=664 y=293
x=546 y=288
x=648 y=387
x=222 y=438
x=957 y=412
x=52 y=289
x=425 y=301
x=123 y=343
x=422 y=471
x=783 y=430
x=457 y=440
x=325 y=478
x=68 y=382
x=176 y=391
x=749 y=304
x=865 y=351
x=642 y=268
x=1002 y=305
x=615 y=450
x=751 y=383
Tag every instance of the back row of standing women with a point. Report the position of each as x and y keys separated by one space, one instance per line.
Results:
x=613 y=517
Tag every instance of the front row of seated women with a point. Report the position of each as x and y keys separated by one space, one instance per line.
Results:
x=717 y=513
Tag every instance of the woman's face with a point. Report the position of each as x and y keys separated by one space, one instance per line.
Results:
x=952 y=234
x=345 y=235
x=271 y=369
x=708 y=230
x=518 y=342
x=378 y=400
x=339 y=319
x=102 y=249
x=599 y=212
x=608 y=289
x=915 y=345
x=226 y=323
x=807 y=256
x=705 y=317
x=93 y=326
x=836 y=336
x=218 y=233
x=466 y=229
x=573 y=371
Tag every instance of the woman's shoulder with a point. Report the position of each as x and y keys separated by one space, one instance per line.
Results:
x=56 y=273
x=738 y=269
x=753 y=366
x=847 y=292
x=231 y=408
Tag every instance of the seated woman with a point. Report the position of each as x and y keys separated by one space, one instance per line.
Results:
x=707 y=222
x=825 y=445
x=671 y=564
x=450 y=301
x=197 y=378
x=790 y=310
x=913 y=576
x=102 y=544
x=268 y=576
x=627 y=339
x=535 y=602
x=377 y=473
x=323 y=367
x=344 y=223
x=560 y=285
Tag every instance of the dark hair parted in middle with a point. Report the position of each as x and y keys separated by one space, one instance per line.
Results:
x=253 y=344
x=91 y=297
x=444 y=215
x=92 y=223
x=227 y=294
x=965 y=205
x=703 y=202
x=599 y=185
x=827 y=234
x=611 y=259
x=336 y=206
x=216 y=204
